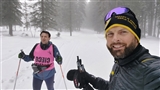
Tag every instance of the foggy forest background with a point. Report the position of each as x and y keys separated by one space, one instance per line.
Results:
x=73 y=15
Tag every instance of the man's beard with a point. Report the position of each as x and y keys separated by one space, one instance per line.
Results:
x=123 y=53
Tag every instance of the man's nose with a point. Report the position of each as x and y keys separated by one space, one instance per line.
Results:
x=116 y=38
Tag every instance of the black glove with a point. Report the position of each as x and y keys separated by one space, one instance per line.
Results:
x=21 y=54
x=88 y=87
x=80 y=79
x=59 y=60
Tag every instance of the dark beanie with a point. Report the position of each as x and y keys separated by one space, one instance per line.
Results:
x=127 y=21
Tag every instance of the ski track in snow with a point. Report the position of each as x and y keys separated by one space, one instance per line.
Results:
x=10 y=79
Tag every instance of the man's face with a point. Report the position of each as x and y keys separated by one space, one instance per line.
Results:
x=44 y=38
x=120 y=42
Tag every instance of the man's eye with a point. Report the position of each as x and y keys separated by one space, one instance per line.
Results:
x=123 y=32
x=109 y=34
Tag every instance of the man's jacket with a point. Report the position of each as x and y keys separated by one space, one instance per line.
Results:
x=138 y=71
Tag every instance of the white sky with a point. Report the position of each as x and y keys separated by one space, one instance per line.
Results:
x=87 y=1
x=88 y=45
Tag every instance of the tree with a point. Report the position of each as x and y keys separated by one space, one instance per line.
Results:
x=97 y=16
x=44 y=14
x=158 y=18
x=78 y=14
x=72 y=14
x=158 y=33
x=0 y=12
x=59 y=19
x=11 y=14
x=26 y=15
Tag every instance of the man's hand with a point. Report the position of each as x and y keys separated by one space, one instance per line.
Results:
x=79 y=78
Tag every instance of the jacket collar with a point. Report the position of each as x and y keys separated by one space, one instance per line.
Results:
x=45 y=46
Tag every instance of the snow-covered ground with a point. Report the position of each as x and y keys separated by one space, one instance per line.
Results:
x=88 y=45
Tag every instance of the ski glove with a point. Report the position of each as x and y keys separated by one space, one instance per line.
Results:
x=21 y=54
x=80 y=79
x=59 y=60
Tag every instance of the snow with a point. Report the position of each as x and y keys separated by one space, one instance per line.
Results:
x=88 y=45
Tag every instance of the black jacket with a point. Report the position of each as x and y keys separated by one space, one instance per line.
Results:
x=139 y=71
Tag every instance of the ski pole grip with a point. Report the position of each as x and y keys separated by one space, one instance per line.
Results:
x=80 y=65
x=77 y=58
x=21 y=50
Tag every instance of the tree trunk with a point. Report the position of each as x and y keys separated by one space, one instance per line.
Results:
x=70 y=19
x=154 y=19
x=158 y=33
x=145 y=22
x=10 y=30
x=42 y=5
x=143 y=31
x=150 y=22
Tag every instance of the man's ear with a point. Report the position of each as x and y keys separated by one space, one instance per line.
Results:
x=136 y=41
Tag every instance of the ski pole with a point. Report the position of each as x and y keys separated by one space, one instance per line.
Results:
x=63 y=77
x=17 y=73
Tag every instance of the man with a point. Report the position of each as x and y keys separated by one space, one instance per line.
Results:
x=134 y=68
x=43 y=55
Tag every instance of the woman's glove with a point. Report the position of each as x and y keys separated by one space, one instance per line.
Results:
x=59 y=60
x=21 y=55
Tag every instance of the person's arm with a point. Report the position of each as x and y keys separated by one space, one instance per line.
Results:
x=97 y=82
x=57 y=55
x=101 y=84
x=30 y=57
x=152 y=75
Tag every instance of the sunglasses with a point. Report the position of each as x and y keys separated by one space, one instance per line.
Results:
x=118 y=11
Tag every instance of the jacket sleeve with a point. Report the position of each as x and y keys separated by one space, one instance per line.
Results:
x=152 y=75
x=97 y=82
x=101 y=84
x=30 y=57
x=56 y=52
